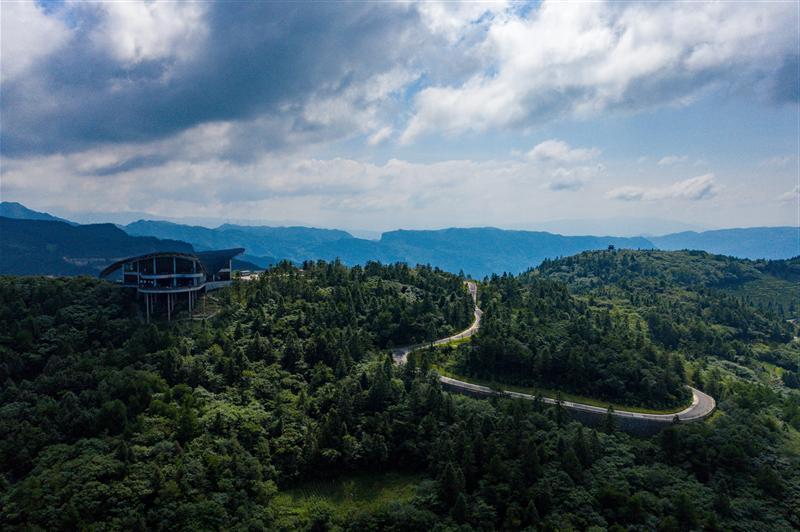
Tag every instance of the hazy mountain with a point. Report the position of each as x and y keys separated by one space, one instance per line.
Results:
x=264 y=245
x=747 y=243
x=482 y=251
x=619 y=226
x=128 y=217
x=18 y=211
x=45 y=247
x=477 y=251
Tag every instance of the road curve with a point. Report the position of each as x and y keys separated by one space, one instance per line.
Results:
x=400 y=354
x=702 y=406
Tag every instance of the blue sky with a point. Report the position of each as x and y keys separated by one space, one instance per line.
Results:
x=418 y=115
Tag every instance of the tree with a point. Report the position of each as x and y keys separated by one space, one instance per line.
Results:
x=610 y=422
x=459 y=510
x=451 y=484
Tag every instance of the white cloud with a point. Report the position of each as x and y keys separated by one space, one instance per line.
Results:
x=693 y=189
x=135 y=31
x=777 y=162
x=574 y=178
x=380 y=135
x=792 y=196
x=360 y=107
x=452 y=18
x=189 y=176
x=670 y=160
x=27 y=35
x=582 y=58
x=559 y=151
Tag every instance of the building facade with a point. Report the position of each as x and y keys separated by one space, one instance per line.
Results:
x=162 y=277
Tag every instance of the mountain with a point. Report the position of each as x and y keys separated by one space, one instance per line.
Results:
x=477 y=251
x=772 y=285
x=746 y=243
x=264 y=245
x=486 y=250
x=618 y=226
x=18 y=211
x=31 y=247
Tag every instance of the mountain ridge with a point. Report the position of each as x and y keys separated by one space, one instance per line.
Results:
x=478 y=251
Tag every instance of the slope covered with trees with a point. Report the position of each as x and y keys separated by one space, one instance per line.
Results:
x=697 y=304
x=108 y=423
x=536 y=333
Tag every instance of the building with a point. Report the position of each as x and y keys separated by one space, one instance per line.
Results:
x=164 y=276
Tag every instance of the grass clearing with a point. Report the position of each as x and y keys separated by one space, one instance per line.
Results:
x=344 y=496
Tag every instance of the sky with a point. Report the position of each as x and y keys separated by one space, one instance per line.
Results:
x=385 y=115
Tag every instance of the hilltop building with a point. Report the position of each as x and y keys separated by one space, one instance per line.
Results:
x=163 y=275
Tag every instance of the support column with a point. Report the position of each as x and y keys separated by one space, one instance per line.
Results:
x=169 y=309
x=147 y=305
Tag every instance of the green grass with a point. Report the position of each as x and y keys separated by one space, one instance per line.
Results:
x=455 y=343
x=344 y=496
x=553 y=394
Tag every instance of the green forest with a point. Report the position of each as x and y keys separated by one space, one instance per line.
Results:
x=284 y=409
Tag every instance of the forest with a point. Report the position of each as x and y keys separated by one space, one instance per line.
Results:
x=284 y=411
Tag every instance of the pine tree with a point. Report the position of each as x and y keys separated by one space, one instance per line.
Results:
x=610 y=422
x=451 y=484
x=459 y=511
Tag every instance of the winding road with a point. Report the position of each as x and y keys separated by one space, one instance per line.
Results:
x=702 y=406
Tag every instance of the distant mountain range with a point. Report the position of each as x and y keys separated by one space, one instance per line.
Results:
x=747 y=243
x=64 y=249
x=478 y=251
x=264 y=245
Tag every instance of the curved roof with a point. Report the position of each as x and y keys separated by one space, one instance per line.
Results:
x=211 y=261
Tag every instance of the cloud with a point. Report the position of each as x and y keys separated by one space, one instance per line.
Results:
x=579 y=59
x=575 y=178
x=145 y=71
x=27 y=36
x=792 y=196
x=453 y=18
x=559 y=151
x=693 y=189
x=779 y=161
x=380 y=135
x=786 y=85
x=134 y=32
x=670 y=160
x=76 y=75
x=192 y=175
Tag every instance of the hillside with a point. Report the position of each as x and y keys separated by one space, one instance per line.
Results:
x=704 y=306
x=284 y=411
x=773 y=286
x=40 y=247
x=746 y=243
x=535 y=333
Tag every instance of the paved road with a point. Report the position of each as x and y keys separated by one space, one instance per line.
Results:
x=400 y=354
x=702 y=404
